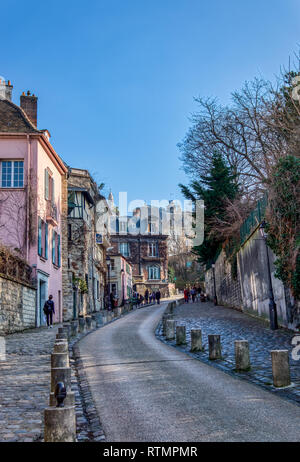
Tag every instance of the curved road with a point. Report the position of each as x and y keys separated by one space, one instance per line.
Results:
x=147 y=391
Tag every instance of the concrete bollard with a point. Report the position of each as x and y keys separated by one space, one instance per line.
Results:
x=62 y=336
x=81 y=325
x=74 y=328
x=68 y=401
x=119 y=311
x=59 y=360
x=214 y=344
x=280 y=368
x=196 y=340
x=88 y=321
x=60 y=347
x=164 y=320
x=60 y=424
x=61 y=374
x=105 y=319
x=68 y=328
x=170 y=329
x=99 y=319
x=180 y=335
x=242 y=356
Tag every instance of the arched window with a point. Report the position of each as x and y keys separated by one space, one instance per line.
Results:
x=153 y=272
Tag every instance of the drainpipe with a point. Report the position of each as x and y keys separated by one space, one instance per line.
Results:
x=27 y=198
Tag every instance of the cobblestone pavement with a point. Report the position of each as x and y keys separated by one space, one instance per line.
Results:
x=233 y=325
x=25 y=384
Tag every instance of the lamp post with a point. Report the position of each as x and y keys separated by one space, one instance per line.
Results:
x=123 y=287
x=215 y=290
x=108 y=280
x=272 y=304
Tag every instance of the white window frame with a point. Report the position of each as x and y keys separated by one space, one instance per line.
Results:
x=128 y=250
x=154 y=271
x=12 y=161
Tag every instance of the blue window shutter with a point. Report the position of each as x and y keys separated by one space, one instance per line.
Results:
x=39 y=236
x=58 y=250
x=46 y=184
x=53 y=247
x=46 y=240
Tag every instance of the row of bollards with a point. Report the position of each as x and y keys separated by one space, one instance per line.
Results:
x=280 y=358
x=60 y=415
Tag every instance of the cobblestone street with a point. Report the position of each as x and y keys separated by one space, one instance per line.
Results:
x=233 y=325
x=25 y=387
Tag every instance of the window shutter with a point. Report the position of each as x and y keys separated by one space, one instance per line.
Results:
x=52 y=191
x=53 y=247
x=58 y=250
x=46 y=184
x=39 y=236
x=46 y=240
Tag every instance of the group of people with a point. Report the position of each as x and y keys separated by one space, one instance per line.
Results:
x=148 y=297
x=194 y=294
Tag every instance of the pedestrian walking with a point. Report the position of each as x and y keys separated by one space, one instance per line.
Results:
x=146 y=296
x=49 y=311
x=186 y=295
x=193 y=294
x=157 y=296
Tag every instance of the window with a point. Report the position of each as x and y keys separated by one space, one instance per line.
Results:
x=112 y=264
x=49 y=186
x=12 y=174
x=153 y=272
x=123 y=226
x=58 y=250
x=153 y=249
x=124 y=249
x=69 y=232
x=42 y=238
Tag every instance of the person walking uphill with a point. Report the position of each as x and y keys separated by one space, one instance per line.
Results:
x=157 y=296
x=49 y=311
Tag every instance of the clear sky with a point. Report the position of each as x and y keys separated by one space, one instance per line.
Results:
x=116 y=78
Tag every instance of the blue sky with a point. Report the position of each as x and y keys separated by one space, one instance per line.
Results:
x=116 y=78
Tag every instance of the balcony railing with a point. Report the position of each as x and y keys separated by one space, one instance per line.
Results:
x=51 y=211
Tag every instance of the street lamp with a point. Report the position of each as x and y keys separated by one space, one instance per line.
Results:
x=272 y=304
x=108 y=279
x=123 y=286
x=215 y=290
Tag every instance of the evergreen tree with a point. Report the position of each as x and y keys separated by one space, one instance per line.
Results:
x=214 y=188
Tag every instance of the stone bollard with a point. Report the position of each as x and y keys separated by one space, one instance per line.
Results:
x=61 y=374
x=60 y=347
x=119 y=311
x=88 y=321
x=67 y=329
x=69 y=400
x=59 y=360
x=164 y=320
x=74 y=328
x=280 y=368
x=99 y=319
x=196 y=340
x=214 y=344
x=180 y=335
x=60 y=424
x=170 y=329
x=94 y=322
x=105 y=319
x=81 y=325
x=242 y=356
x=62 y=336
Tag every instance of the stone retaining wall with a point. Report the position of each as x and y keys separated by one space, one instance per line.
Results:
x=17 y=305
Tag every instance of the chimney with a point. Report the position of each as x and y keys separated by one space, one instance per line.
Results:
x=28 y=103
x=5 y=89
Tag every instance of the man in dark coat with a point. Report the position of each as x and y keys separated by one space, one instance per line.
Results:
x=49 y=311
x=157 y=296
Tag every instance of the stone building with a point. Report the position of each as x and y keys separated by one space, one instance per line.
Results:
x=87 y=238
x=120 y=277
x=141 y=240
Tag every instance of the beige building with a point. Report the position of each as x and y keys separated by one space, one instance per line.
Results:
x=120 y=277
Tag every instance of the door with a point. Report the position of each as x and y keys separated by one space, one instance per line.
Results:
x=42 y=292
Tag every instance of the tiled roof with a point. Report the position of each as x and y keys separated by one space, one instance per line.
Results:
x=14 y=120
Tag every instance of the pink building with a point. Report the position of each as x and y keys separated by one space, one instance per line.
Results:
x=32 y=178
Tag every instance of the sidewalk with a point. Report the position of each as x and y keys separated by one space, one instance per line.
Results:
x=233 y=325
x=25 y=383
